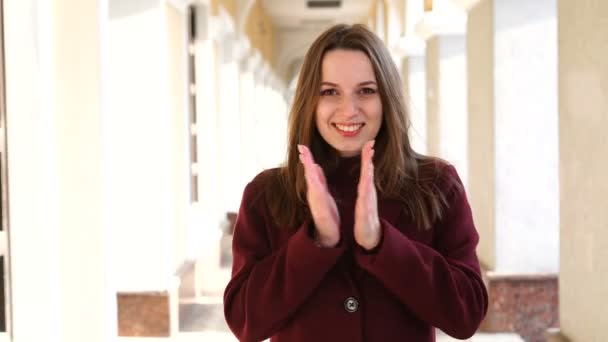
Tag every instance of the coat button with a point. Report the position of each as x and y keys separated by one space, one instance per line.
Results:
x=351 y=304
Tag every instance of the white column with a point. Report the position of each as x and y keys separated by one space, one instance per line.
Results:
x=180 y=130
x=380 y=28
x=414 y=11
x=207 y=217
x=34 y=239
x=245 y=83
x=61 y=287
x=412 y=48
x=583 y=108
x=278 y=121
x=482 y=194
x=525 y=85
x=249 y=143
x=414 y=74
x=138 y=125
x=229 y=126
x=446 y=104
x=514 y=133
x=261 y=103
x=272 y=119
x=393 y=22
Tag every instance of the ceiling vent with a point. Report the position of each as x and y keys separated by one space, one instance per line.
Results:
x=323 y=4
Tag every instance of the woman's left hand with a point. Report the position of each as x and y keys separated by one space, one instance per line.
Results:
x=367 y=224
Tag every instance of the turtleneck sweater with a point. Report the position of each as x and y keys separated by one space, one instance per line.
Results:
x=286 y=288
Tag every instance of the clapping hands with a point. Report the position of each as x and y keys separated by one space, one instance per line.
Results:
x=323 y=207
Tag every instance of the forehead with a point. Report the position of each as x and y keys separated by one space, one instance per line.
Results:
x=346 y=66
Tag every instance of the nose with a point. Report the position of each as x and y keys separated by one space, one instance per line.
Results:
x=350 y=107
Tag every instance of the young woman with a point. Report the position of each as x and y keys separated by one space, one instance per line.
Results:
x=357 y=237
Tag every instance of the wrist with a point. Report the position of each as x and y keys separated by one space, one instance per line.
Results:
x=324 y=242
x=373 y=239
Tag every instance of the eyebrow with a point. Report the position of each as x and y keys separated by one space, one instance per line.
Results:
x=360 y=84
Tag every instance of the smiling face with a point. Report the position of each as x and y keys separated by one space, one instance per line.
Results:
x=349 y=111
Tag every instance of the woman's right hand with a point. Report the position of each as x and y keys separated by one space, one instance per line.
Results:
x=322 y=206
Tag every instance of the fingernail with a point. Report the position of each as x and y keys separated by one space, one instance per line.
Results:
x=373 y=143
x=300 y=148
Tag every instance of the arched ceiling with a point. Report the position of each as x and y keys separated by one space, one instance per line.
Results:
x=298 y=15
x=297 y=25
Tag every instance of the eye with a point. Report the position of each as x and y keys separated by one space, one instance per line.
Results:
x=329 y=92
x=368 y=90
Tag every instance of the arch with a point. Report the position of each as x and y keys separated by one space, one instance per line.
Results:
x=244 y=9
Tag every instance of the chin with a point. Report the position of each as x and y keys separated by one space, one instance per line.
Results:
x=347 y=149
x=349 y=152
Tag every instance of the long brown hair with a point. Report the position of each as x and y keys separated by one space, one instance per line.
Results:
x=400 y=172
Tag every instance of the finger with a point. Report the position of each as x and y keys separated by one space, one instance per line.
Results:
x=363 y=162
x=370 y=167
x=370 y=162
x=305 y=167
x=321 y=174
x=300 y=149
x=370 y=149
x=314 y=169
x=303 y=152
x=370 y=157
x=309 y=163
x=366 y=180
x=313 y=173
x=363 y=185
x=306 y=152
x=306 y=162
x=366 y=158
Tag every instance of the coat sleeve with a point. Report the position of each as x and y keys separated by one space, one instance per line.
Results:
x=443 y=286
x=268 y=286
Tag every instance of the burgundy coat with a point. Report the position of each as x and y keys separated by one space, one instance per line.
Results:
x=285 y=287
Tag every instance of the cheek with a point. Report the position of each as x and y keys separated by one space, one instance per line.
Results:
x=319 y=118
x=323 y=112
x=374 y=110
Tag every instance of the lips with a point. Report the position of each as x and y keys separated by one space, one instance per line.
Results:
x=348 y=130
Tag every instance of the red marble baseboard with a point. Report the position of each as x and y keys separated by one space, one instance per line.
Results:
x=144 y=314
x=523 y=304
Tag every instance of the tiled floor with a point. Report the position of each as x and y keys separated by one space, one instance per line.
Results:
x=202 y=317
